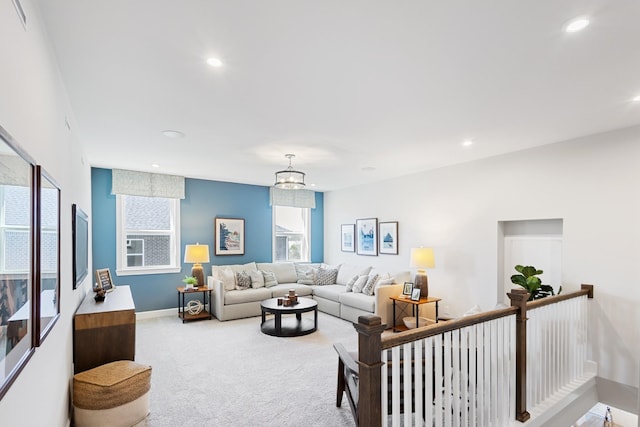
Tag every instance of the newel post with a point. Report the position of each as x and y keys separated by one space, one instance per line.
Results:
x=518 y=299
x=369 y=330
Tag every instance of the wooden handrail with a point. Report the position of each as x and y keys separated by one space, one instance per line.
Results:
x=371 y=344
x=442 y=327
x=584 y=290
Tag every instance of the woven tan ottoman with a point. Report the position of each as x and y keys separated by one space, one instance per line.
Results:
x=115 y=394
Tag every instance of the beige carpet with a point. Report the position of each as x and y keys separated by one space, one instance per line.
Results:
x=211 y=373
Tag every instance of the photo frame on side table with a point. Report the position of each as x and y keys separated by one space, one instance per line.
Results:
x=415 y=294
x=229 y=236
x=367 y=236
x=407 y=289
x=103 y=278
x=347 y=237
x=388 y=232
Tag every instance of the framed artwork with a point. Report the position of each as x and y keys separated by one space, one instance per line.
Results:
x=79 y=244
x=388 y=232
x=47 y=278
x=229 y=236
x=347 y=237
x=103 y=278
x=367 y=236
x=408 y=287
x=415 y=294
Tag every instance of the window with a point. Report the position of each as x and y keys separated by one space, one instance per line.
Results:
x=291 y=234
x=15 y=217
x=148 y=236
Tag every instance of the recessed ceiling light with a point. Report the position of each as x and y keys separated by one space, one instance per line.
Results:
x=155 y=165
x=368 y=169
x=576 y=25
x=467 y=143
x=214 y=62
x=173 y=134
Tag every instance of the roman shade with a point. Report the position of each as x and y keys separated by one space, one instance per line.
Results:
x=133 y=183
x=293 y=198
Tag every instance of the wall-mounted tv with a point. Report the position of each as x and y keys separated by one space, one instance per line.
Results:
x=80 y=227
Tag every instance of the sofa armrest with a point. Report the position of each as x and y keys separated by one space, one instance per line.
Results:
x=217 y=296
x=384 y=307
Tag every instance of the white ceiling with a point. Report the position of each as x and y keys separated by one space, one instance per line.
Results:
x=345 y=85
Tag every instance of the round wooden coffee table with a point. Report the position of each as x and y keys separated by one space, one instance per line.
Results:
x=289 y=327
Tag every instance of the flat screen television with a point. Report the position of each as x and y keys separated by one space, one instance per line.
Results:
x=80 y=243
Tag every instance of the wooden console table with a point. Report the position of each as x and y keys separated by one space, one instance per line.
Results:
x=415 y=306
x=105 y=331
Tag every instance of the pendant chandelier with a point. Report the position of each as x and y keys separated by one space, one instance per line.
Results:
x=289 y=179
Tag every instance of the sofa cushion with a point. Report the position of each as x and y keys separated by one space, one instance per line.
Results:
x=351 y=282
x=303 y=268
x=269 y=278
x=249 y=295
x=307 y=277
x=326 y=276
x=285 y=271
x=236 y=268
x=330 y=292
x=347 y=271
x=243 y=280
x=257 y=279
x=283 y=289
x=227 y=277
x=359 y=301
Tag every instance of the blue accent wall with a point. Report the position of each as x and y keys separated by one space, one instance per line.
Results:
x=204 y=200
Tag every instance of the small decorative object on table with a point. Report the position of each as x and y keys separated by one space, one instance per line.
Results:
x=100 y=295
x=194 y=307
x=190 y=282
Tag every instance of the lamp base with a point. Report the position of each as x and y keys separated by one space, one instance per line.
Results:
x=421 y=281
x=198 y=272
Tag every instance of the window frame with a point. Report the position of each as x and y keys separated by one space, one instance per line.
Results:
x=121 y=241
x=306 y=247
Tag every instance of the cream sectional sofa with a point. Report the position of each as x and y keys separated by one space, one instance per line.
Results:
x=228 y=302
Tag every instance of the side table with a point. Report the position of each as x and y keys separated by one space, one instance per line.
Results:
x=185 y=315
x=415 y=306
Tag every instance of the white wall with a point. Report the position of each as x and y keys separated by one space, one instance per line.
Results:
x=592 y=183
x=33 y=106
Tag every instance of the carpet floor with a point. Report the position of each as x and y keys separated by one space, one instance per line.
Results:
x=211 y=373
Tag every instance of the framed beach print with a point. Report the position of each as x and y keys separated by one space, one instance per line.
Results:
x=229 y=236
x=388 y=232
x=415 y=294
x=347 y=237
x=367 y=236
x=407 y=289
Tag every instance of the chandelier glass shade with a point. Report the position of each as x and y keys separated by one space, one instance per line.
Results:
x=289 y=178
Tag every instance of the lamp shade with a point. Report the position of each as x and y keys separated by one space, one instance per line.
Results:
x=422 y=258
x=289 y=178
x=196 y=254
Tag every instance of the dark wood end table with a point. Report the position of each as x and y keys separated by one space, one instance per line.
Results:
x=185 y=315
x=289 y=327
x=415 y=306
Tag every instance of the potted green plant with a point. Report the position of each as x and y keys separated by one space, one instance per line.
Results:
x=190 y=281
x=528 y=279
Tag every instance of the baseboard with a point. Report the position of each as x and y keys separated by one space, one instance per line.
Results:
x=141 y=315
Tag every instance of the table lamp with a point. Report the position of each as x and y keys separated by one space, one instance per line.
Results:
x=196 y=255
x=422 y=258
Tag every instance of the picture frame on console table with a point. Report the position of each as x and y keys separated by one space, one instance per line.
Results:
x=347 y=237
x=229 y=236
x=388 y=232
x=415 y=294
x=367 y=236
x=407 y=288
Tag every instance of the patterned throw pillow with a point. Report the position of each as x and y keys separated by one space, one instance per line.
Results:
x=326 y=276
x=308 y=277
x=269 y=278
x=359 y=284
x=351 y=282
x=370 y=285
x=243 y=280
